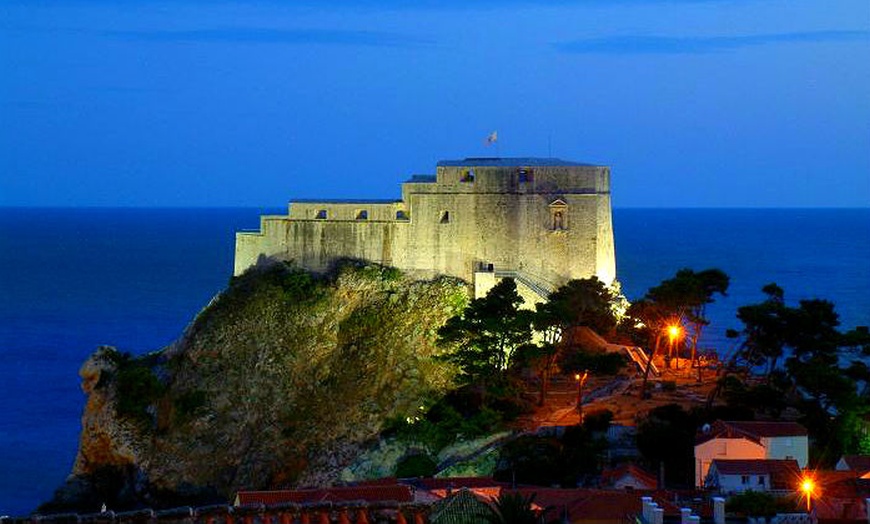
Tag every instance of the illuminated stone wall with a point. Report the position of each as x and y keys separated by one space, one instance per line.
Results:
x=543 y=221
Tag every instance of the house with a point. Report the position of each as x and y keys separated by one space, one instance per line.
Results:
x=730 y=440
x=737 y=476
x=857 y=463
x=628 y=476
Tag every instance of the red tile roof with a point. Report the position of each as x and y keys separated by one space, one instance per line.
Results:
x=458 y=482
x=751 y=430
x=375 y=493
x=859 y=463
x=784 y=474
x=766 y=429
x=610 y=476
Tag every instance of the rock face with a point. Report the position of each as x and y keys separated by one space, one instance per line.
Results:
x=281 y=379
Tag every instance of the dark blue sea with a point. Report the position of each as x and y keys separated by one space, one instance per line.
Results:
x=73 y=279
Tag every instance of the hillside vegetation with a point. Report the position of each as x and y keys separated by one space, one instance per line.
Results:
x=281 y=380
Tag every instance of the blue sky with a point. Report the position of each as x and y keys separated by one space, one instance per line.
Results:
x=702 y=103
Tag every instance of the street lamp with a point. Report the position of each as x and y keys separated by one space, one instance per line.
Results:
x=675 y=331
x=581 y=380
x=808 y=487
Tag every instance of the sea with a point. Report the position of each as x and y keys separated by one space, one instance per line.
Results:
x=73 y=279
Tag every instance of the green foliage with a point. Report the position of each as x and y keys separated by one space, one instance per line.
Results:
x=759 y=504
x=444 y=424
x=483 y=339
x=597 y=362
x=580 y=302
x=667 y=435
x=513 y=508
x=416 y=465
x=188 y=404
x=136 y=387
x=547 y=461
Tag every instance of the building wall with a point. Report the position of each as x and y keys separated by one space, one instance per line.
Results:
x=734 y=483
x=548 y=223
x=788 y=448
x=724 y=448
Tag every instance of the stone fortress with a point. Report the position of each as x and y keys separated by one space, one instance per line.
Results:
x=541 y=221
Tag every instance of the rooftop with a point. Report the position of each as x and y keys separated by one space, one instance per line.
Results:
x=511 y=162
x=751 y=430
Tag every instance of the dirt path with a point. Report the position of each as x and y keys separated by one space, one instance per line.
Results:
x=620 y=395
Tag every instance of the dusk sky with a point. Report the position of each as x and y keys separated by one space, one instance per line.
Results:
x=714 y=103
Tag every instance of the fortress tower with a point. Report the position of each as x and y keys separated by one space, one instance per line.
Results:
x=542 y=221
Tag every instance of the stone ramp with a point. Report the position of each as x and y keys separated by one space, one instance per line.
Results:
x=635 y=354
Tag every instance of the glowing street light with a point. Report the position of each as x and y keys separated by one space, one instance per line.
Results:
x=808 y=487
x=581 y=380
x=674 y=331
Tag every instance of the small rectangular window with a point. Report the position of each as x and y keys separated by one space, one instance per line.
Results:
x=401 y=215
x=744 y=479
x=321 y=215
x=760 y=480
x=468 y=176
x=362 y=215
x=445 y=217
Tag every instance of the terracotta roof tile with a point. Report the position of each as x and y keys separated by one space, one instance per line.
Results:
x=382 y=493
x=857 y=462
x=750 y=430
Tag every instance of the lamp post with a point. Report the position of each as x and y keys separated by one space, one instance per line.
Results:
x=581 y=380
x=808 y=487
x=674 y=333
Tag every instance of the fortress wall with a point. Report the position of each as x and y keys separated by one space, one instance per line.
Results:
x=346 y=211
x=504 y=217
x=316 y=244
x=605 y=251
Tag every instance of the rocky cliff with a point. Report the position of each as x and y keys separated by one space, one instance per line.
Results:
x=280 y=381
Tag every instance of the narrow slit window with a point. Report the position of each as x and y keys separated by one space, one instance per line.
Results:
x=321 y=215
x=445 y=217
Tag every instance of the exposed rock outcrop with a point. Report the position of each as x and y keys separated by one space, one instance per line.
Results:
x=279 y=372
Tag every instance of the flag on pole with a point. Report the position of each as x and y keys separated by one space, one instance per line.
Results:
x=491 y=139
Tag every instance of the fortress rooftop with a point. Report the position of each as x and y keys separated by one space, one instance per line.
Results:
x=511 y=162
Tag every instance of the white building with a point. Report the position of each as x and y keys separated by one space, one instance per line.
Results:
x=737 y=476
x=749 y=440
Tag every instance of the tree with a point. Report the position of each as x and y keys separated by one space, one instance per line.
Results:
x=818 y=379
x=686 y=296
x=666 y=439
x=486 y=335
x=580 y=302
x=513 y=508
x=765 y=329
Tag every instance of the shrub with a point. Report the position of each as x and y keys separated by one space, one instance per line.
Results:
x=416 y=465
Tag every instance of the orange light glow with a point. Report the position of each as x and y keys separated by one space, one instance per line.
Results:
x=577 y=377
x=808 y=487
x=674 y=331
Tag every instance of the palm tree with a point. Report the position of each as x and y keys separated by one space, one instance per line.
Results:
x=513 y=508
